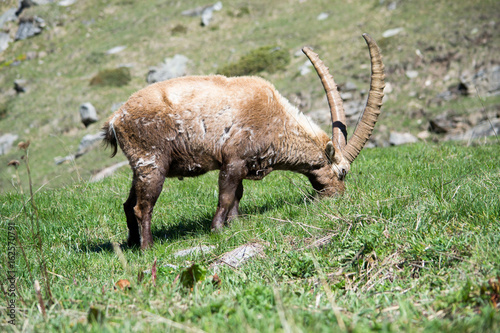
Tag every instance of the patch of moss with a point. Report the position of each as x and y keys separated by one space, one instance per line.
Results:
x=266 y=58
x=179 y=29
x=112 y=77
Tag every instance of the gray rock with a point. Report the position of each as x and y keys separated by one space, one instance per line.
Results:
x=206 y=15
x=323 y=16
x=195 y=250
x=116 y=49
x=321 y=116
x=349 y=86
x=239 y=256
x=353 y=107
x=396 y=139
x=88 y=114
x=305 y=68
x=87 y=143
x=172 y=68
x=392 y=5
x=7 y=16
x=29 y=27
x=6 y=142
x=411 y=74
x=482 y=130
x=43 y=2
x=66 y=3
x=392 y=32
x=494 y=80
x=4 y=41
x=20 y=86
x=485 y=81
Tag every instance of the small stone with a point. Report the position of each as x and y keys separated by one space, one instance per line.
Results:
x=392 y=32
x=411 y=74
x=396 y=139
x=6 y=142
x=88 y=114
x=322 y=16
x=116 y=49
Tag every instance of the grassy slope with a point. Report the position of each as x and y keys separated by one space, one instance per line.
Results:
x=415 y=241
x=72 y=49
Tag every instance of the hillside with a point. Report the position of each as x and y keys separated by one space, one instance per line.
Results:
x=411 y=246
x=431 y=49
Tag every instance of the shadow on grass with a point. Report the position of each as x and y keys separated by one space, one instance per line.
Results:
x=190 y=227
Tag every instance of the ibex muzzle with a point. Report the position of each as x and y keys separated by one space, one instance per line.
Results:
x=242 y=126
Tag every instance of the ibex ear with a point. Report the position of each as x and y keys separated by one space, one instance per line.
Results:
x=330 y=150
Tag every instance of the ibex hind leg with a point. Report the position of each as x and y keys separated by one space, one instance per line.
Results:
x=134 y=238
x=147 y=185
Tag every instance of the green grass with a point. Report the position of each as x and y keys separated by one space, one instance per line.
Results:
x=414 y=242
x=72 y=49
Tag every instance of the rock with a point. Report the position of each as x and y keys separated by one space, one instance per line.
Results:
x=392 y=32
x=423 y=135
x=388 y=88
x=194 y=250
x=447 y=123
x=411 y=74
x=321 y=116
x=483 y=82
x=349 y=86
x=396 y=139
x=116 y=49
x=88 y=114
x=305 y=68
x=392 y=5
x=172 y=68
x=207 y=13
x=8 y=16
x=6 y=142
x=482 y=130
x=494 y=80
x=107 y=171
x=87 y=143
x=29 y=27
x=66 y=3
x=20 y=86
x=323 y=16
x=4 y=41
x=346 y=96
x=239 y=256
x=43 y=2
x=353 y=107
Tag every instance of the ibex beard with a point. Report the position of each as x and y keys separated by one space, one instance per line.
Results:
x=242 y=126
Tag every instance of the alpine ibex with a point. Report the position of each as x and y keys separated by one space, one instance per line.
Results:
x=242 y=126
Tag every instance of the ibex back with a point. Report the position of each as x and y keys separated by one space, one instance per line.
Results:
x=242 y=126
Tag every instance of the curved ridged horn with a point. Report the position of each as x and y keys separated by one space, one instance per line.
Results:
x=334 y=100
x=372 y=109
x=365 y=127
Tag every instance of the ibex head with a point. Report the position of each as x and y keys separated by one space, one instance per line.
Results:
x=329 y=180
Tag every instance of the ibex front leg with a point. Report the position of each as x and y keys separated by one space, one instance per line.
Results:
x=230 y=192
